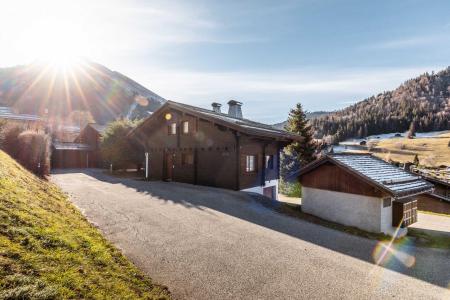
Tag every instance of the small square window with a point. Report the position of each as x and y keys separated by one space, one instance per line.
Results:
x=250 y=163
x=185 y=127
x=187 y=159
x=386 y=202
x=269 y=162
x=173 y=128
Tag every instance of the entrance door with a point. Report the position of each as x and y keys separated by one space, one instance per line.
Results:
x=170 y=158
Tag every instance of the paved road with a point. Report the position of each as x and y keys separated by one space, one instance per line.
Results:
x=206 y=243
x=433 y=224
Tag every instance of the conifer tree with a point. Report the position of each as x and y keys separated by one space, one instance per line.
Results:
x=298 y=123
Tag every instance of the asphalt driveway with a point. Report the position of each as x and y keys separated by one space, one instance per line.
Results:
x=206 y=243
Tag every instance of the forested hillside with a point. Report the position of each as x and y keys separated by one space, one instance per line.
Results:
x=423 y=101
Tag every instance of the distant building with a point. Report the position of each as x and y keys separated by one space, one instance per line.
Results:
x=207 y=147
x=437 y=201
x=25 y=121
x=82 y=152
x=363 y=191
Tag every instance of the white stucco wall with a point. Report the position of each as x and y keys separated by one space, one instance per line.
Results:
x=364 y=212
x=259 y=189
x=348 y=209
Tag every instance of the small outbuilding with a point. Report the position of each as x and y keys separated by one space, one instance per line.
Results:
x=363 y=191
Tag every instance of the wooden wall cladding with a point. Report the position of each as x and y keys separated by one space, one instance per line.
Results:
x=334 y=178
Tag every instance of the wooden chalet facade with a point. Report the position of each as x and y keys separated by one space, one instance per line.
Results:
x=207 y=147
x=363 y=191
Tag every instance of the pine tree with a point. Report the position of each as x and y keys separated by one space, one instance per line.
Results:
x=298 y=123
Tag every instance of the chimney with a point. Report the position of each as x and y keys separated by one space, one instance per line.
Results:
x=216 y=107
x=234 y=109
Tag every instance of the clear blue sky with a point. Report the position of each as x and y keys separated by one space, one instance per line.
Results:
x=268 y=54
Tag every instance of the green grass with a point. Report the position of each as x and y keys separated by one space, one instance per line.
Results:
x=48 y=250
x=434 y=213
x=429 y=240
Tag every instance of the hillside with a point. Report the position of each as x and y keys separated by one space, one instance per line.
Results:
x=423 y=101
x=309 y=115
x=87 y=87
x=48 y=250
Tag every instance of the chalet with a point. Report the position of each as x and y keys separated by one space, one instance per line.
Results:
x=25 y=121
x=363 y=191
x=437 y=201
x=207 y=147
x=83 y=152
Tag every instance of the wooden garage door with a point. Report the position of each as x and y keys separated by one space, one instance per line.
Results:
x=269 y=192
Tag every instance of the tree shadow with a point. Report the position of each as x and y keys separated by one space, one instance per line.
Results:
x=429 y=264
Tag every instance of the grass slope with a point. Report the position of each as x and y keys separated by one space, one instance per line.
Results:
x=432 y=152
x=48 y=250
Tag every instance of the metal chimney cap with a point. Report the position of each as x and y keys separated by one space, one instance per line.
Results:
x=234 y=102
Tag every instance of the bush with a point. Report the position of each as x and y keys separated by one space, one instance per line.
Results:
x=30 y=148
x=34 y=152
x=10 y=140
x=290 y=189
x=117 y=149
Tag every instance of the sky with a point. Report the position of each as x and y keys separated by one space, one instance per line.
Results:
x=267 y=54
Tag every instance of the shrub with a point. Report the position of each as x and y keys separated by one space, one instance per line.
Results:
x=290 y=189
x=34 y=152
x=10 y=140
x=117 y=149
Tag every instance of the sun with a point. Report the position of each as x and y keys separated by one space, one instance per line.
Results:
x=60 y=42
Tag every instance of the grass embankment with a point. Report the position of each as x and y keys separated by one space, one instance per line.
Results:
x=48 y=250
x=432 y=152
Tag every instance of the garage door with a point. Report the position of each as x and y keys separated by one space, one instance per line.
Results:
x=269 y=192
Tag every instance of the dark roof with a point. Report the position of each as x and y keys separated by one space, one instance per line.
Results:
x=7 y=113
x=242 y=125
x=71 y=146
x=393 y=180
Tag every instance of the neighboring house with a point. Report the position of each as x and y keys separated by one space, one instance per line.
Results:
x=207 y=147
x=70 y=155
x=363 y=191
x=25 y=121
x=83 y=152
x=439 y=200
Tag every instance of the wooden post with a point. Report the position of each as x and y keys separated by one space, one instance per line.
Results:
x=146 y=165
x=238 y=159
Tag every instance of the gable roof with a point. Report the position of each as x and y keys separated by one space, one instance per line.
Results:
x=395 y=181
x=71 y=146
x=242 y=125
x=7 y=113
x=97 y=127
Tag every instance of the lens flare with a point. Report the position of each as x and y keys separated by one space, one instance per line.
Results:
x=385 y=252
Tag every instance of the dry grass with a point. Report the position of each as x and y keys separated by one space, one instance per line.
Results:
x=48 y=250
x=432 y=152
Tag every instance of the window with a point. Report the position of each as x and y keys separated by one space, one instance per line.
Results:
x=386 y=202
x=173 y=128
x=185 y=127
x=187 y=159
x=250 y=163
x=269 y=162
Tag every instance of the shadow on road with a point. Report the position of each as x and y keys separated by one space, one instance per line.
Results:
x=431 y=265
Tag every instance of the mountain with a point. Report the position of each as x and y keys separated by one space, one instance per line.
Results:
x=309 y=116
x=423 y=102
x=88 y=89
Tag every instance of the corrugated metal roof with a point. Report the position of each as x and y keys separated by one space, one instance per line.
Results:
x=71 y=146
x=7 y=113
x=391 y=178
